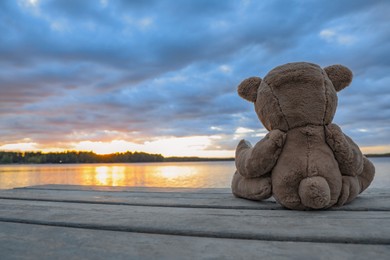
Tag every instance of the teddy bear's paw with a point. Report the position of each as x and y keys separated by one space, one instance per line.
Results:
x=278 y=137
x=334 y=135
x=314 y=192
x=251 y=188
x=243 y=144
x=349 y=190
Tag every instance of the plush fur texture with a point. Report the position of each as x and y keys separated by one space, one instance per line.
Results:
x=305 y=161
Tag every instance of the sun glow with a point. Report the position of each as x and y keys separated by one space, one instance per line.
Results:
x=22 y=147
x=375 y=149
x=170 y=146
x=201 y=146
x=116 y=146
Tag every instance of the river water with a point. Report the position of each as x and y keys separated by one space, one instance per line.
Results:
x=182 y=174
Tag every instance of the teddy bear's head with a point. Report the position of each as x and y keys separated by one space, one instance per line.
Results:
x=296 y=94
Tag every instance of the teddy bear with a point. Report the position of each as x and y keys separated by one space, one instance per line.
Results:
x=305 y=161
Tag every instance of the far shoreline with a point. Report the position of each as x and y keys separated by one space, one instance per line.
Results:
x=377 y=155
x=81 y=157
x=182 y=160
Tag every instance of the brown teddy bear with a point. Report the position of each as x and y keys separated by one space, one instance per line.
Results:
x=305 y=161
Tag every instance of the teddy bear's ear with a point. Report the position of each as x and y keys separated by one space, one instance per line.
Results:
x=248 y=88
x=340 y=76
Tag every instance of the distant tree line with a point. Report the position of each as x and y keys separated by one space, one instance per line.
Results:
x=77 y=157
x=195 y=159
x=378 y=155
x=90 y=157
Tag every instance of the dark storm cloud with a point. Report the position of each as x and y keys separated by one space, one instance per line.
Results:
x=133 y=70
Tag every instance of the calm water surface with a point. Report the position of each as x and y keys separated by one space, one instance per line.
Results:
x=185 y=174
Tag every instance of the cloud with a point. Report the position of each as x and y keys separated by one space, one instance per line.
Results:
x=134 y=71
x=332 y=35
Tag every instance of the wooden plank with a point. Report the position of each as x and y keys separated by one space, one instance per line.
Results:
x=126 y=189
x=274 y=225
x=165 y=199
x=20 y=241
x=377 y=200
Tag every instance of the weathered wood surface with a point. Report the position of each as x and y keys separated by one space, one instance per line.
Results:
x=93 y=222
x=374 y=200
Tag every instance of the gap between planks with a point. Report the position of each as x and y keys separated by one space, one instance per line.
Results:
x=200 y=234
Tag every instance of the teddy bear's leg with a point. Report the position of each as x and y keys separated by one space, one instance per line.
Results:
x=252 y=188
x=349 y=190
x=346 y=151
x=367 y=175
x=353 y=185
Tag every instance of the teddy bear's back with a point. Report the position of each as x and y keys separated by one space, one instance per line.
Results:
x=305 y=154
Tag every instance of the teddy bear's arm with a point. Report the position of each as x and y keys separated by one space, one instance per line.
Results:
x=258 y=160
x=347 y=153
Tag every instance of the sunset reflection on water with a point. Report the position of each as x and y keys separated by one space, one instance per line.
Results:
x=186 y=174
x=110 y=175
x=150 y=175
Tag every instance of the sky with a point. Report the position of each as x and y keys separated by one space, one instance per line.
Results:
x=161 y=76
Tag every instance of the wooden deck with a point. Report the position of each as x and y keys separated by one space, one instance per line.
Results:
x=84 y=222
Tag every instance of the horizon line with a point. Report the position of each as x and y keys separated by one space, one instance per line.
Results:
x=136 y=151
